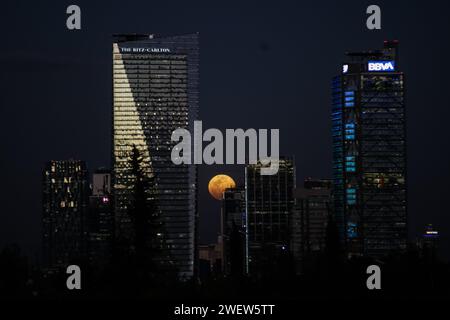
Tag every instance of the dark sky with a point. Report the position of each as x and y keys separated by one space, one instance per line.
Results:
x=263 y=65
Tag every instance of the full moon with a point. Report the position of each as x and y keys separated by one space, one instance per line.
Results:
x=218 y=184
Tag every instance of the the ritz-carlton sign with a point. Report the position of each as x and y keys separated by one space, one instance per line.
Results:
x=144 y=50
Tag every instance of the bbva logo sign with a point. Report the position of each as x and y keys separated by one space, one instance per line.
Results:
x=381 y=65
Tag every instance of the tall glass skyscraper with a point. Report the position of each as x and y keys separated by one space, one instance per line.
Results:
x=269 y=203
x=369 y=152
x=155 y=88
x=309 y=220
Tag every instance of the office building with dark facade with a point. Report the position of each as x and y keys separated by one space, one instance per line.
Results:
x=65 y=204
x=269 y=203
x=369 y=152
x=210 y=261
x=100 y=219
x=233 y=232
x=428 y=243
x=155 y=91
x=309 y=220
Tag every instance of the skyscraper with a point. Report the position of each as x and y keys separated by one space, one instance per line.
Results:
x=309 y=219
x=64 y=201
x=233 y=231
x=155 y=88
x=369 y=152
x=428 y=243
x=269 y=203
x=100 y=219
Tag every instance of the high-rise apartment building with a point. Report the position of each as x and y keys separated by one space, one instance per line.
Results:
x=65 y=203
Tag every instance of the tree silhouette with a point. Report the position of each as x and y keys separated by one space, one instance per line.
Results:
x=334 y=271
x=332 y=240
x=144 y=214
x=13 y=273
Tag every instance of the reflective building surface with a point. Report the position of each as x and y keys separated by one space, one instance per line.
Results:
x=233 y=231
x=155 y=87
x=309 y=219
x=269 y=203
x=369 y=152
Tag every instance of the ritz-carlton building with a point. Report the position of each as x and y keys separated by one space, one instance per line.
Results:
x=155 y=91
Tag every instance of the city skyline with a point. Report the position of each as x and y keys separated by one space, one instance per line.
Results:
x=129 y=91
x=278 y=229
x=307 y=153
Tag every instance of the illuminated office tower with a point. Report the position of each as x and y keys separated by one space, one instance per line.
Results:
x=269 y=203
x=155 y=91
x=65 y=202
x=369 y=152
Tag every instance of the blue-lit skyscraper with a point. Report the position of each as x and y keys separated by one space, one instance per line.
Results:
x=369 y=152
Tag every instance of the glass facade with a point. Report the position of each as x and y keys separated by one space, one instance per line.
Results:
x=155 y=88
x=234 y=231
x=309 y=220
x=369 y=154
x=269 y=203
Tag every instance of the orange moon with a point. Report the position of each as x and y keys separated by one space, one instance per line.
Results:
x=218 y=184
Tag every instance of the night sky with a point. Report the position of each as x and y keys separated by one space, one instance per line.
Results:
x=262 y=65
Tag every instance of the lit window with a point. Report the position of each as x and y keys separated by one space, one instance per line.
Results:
x=349 y=93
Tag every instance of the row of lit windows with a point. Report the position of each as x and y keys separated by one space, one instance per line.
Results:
x=154 y=104
x=151 y=66
x=129 y=73
x=166 y=83
x=126 y=96
x=173 y=94
x=137 y=81
x=153 y=73
x=153 y=58
x=126 y=86
x=149 y=76
x=148 y=113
